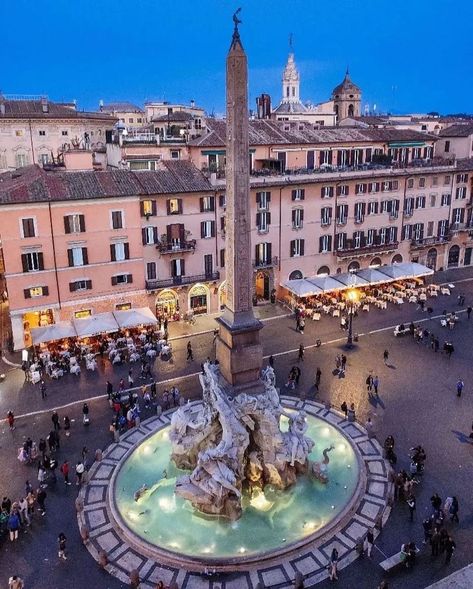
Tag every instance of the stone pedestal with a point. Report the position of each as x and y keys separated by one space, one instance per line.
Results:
x=240 y=354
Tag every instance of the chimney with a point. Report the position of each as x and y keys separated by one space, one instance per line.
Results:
x=44 y=104
x=101 y=105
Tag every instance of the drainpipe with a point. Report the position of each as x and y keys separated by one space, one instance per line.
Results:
x=54 y=255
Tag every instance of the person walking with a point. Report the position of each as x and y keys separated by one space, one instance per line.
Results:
x=468 y=311
x=42 y=388
x=386 y=357
x=190 y=354
x=376 y=384
x=79 y=473
x=61 y=540
x=411 y=503
x=344 y=408
x=11 y=420
x=41 y=498
x=454 y=510
x=333 y=565
x=369 y=542
x=109 y=390
x=271 y=361
x=369 y=383
x=343 y=363
x=300 y=357
x=460 y=387
x=131 y=382
x=65 y=472
x=351 y=415
x=435 y=543
x=13 y=525
x=55 y=420
x=67 y=425
x=449 y=549
x=301 y=325
x=318 y=375
x=85 y=414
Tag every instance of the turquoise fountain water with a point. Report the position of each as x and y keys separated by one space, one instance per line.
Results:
x=271 y=520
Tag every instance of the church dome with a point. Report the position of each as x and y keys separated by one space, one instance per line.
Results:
x=346 y=87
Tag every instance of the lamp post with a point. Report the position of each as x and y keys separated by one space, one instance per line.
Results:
x=352 y=299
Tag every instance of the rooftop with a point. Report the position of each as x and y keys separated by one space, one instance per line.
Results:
x=113 y=107
x=459 y=130
x=33 y=184
x=42 y=108
x=178 y=116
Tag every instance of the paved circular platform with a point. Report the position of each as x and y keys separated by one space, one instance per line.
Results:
x=370 y=510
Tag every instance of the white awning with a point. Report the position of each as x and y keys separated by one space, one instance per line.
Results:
x=95 y=324
x=326 y=283
x=373 y=275
x=135 y=317
x=49 y=333
x=405 y=270
x=352 y=279
x=302 y=287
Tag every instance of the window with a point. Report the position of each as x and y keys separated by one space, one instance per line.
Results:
x=442 y=228
x=372 y=207
x=383 y=235
x=149 y=235
x=151 y=270
x=435 y=181
x=122 y=279
x=44 y=159
x=458 y=216
x=123 y=306
x=119 y=252
x=42 y=133
x=460 y=193
x=77 y=256
x=445 y=200
x=418 y=231
x=139 y=120
x=175 y=154
x=343 y=190
x=325 y=244
x=420 y=202
x=80 y=285
x=223 y=224
x=174 y=206
x=296 y=248
x=430 y=229
x=208 y=265
x=21 y=160
x=207 y=204
x=64 y=133
x=409 y=206
x=28 y=227
x=342 y=214
x=19 y=133
x=207 y=229
x=263 y=254
x=410 y=183
x=326 y=216
x=222 y=258
x=297 y=218
x=416 y=153
x=462 y=178
x=263 y=220
x=32 y=261
x=263 y=199
x=360 y=188
x=392 y=235
x=326 y=191
x=74 y=223
x=370 y=236
x=421 y=182
x=341 y=241
x=433 y=199
x=117 y=219
x=130 y=120
x=358 y=237
x=447 y=180
x=148 y=208
x=360 y=208
x=447 y=146
x=373 y=187
x=177 y=268
x=298 y=194
x=407 y=232
x=222 y=201
x=36 y=291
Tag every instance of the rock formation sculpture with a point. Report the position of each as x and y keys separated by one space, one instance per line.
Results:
x=231 y=443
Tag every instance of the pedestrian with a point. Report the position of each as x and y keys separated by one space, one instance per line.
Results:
x=435 y=542
x=351 y=416
x=369 y=383
x=79 y=473
x=297 y=374
x=344 y=408
x=65 y=472
x=386 y=356
x=147 y=398
x=300 y=357
x=41 y=498
x=343 y=364
x=369 y=427
x=190 y=354
x=291 y=380
x=109 y=390
x=61 y=541
x=11 y=420
x=369 y=542
x=454 y=510
x=165 y=324
x=468 y=311
x=411 y=503
x=333 y=565
x=15 y=582
x=67 y=425
x=55 y=420
x=85 y=414
x=42 y=388
x=13 y=525
x=23 y=511
x=130 y=379
x=271 y=361
x=121 y=385
x=449 y=549
x=338 y=362
x=318 y=375
x=376 y=384
x=84 y=454
x=302 y=325
x=152 y=388
x=436 y=344
x=427 y=526
x=460 y=387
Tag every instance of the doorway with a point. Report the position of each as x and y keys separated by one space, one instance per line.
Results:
x=262 y=286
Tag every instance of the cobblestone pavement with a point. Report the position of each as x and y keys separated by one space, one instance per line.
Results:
x=417 y=404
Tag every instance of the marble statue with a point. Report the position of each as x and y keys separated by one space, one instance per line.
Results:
x=233 y=443
x=319 y=469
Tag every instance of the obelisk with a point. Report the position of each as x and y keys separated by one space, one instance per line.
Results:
x=239 y=350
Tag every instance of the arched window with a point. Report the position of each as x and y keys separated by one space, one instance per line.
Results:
x=287 y=91
x=295 y=275
x=432 y=258
x=323 y=271
x=351 y=110
x=353 y=266
x=336 y=109
x=454 y=256
x=397 y=259
x=375 y=262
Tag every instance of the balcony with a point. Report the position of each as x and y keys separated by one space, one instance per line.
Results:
x=428 y=241
x=259 y=264
x=177 y=248
x=181 y=280
x=366 y=250
x=456 y=227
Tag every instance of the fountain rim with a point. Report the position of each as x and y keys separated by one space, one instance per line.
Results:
x=233 y=563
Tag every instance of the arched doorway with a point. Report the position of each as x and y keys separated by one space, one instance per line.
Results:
x=199 y=299
x=262 y=289
x=323 y=271
x=397 y=259
x=375 y=262
x=295 y=275
x=167 y=304
x=222 y=295
x=432 y=258
x=353 y=266
x=454 y=256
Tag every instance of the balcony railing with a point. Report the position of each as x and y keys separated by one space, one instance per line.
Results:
x=265 y=263
x=181 y=280
x=428 y=241
x=171 y=248
x=364 y=250
x=454 y=227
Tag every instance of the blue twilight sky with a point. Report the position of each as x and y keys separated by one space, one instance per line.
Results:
x=406 y=55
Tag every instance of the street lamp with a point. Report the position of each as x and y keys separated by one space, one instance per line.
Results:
x=352 y=299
